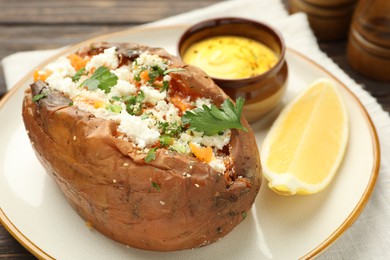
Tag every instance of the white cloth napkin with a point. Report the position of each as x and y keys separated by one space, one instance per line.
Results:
x=369 y=236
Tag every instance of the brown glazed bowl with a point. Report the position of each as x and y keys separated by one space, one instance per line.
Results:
x=262 y=92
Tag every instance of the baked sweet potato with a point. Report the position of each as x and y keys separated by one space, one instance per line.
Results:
x=167 y=184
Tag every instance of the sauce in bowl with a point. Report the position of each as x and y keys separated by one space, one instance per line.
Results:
x=230 y=57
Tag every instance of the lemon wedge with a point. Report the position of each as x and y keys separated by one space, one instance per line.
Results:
x=306 y=144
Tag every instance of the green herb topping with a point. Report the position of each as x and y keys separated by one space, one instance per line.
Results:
x=156 y=186
x=78 y=75
x=134 y=103
x=151 y=155
x=102 y=78
x=39 y=96
x=212 y=120
x=173 y=70
x=114 y=108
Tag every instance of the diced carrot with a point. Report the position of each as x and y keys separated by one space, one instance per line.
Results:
x=180 y=104
x=41 y=75
x=158 y=84
x=205 y=154
x=98 y=103
x=144 y=76
x=77 y=62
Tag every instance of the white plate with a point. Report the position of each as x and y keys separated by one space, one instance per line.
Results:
x=278 y=227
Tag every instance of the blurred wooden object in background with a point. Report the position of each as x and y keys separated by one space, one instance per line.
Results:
x=329 y=19
x=369 y=39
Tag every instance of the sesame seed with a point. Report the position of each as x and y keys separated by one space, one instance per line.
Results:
x=114 y=180
x=196 y=185
x=162 y=202
x=74 y=138
x=125 y=164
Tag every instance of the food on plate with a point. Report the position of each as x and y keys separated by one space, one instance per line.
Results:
x=306 y=144
x=231 y=57
x=148 y=150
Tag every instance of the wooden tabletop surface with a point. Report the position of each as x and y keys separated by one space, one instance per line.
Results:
x=44 y=24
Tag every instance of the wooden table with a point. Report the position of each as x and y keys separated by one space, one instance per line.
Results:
x=35 y=25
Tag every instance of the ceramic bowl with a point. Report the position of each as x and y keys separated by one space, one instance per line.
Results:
x=262 y=92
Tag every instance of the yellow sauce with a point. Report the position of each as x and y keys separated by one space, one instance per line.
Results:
x=230 y=57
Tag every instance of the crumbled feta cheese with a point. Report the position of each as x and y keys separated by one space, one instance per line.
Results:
x=202 y=101
x=218 y=165
x=164 y=111
x=218 y=141
x=149 y=60
x=109 y=59
x=122 y=88
x=62 y=66
x=167 y=78
x=123 y=73
x=152 y=95
x=137 y=130
x=58 y=82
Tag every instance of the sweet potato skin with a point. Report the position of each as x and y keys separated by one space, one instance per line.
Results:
x=174 y=202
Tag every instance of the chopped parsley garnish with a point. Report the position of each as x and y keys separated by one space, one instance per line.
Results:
x=102 y=78
x=114 y=108
x=173 y=70
x=78 y=75
x=137 y=77
x=172 y=130
x=134 y=103
x=151 y=155
x=154 y=72
x=115 y=98
x=166 y=140
x=156 y=186
x=39 y=96
x=165 y=86
x=212 y=120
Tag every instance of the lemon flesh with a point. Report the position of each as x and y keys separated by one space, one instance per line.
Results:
x=306 y=144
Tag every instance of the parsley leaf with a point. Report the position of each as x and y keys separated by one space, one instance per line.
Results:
x=78 y=75
x=114 y=108
x=134 y=103
x=166 y=140
x=154 y=72
x=151 y=155
x=156 y=186
x=170 y=129
x=39 y=96
x=173 y=70
x=212 y=120
x=165 y=86
x=102 y=78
